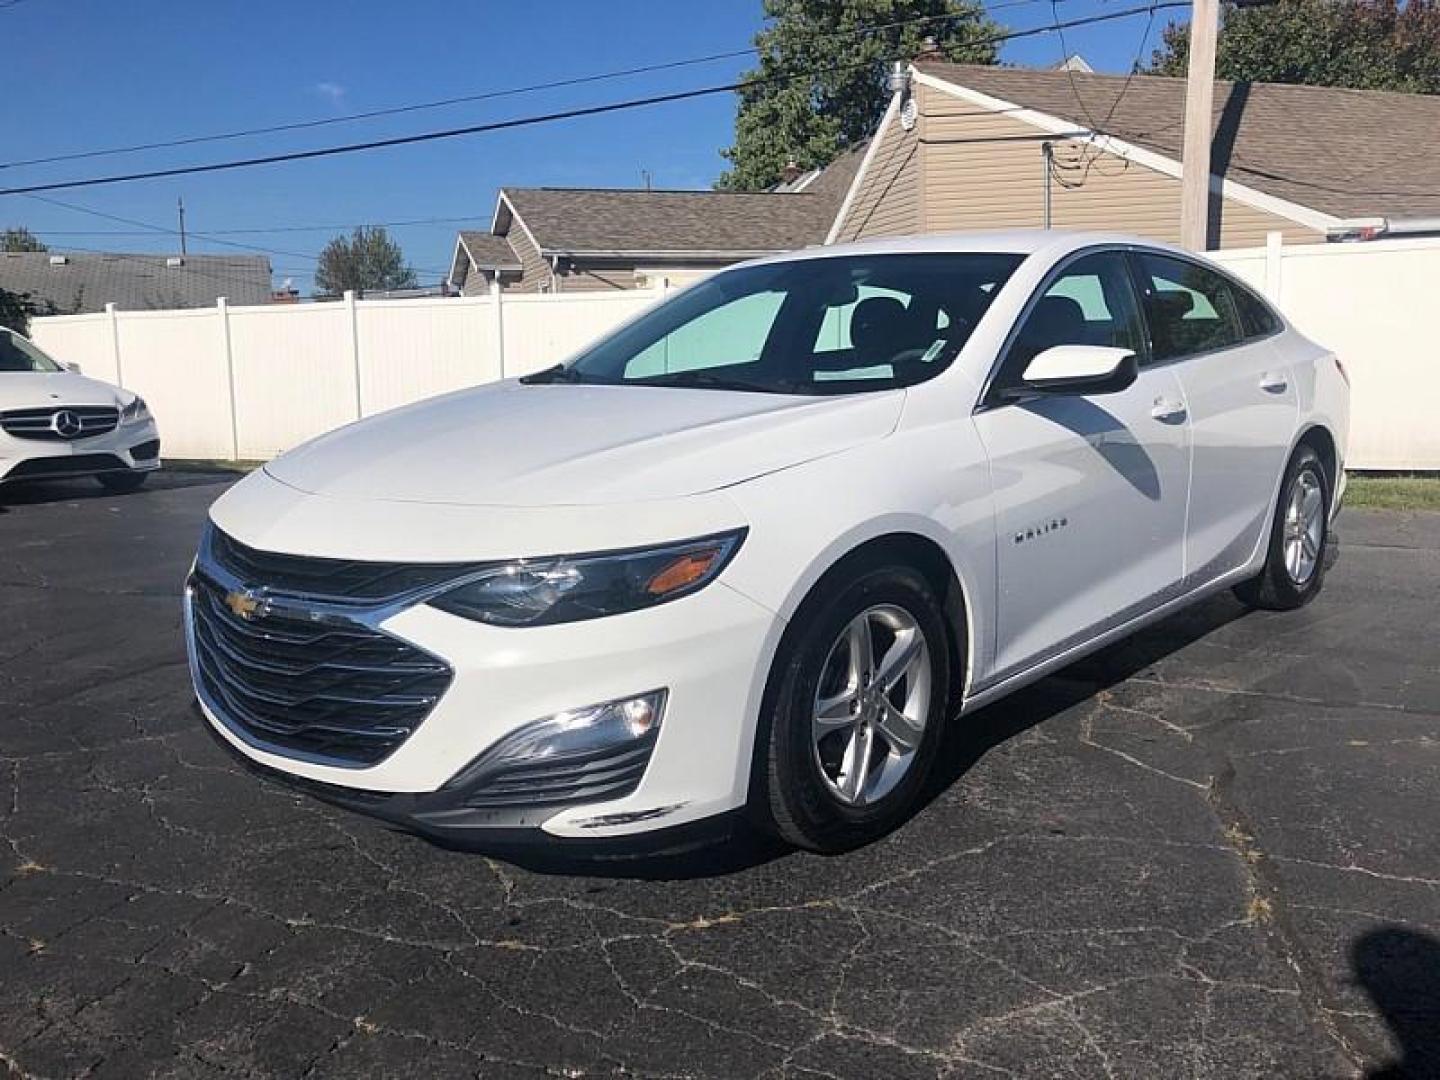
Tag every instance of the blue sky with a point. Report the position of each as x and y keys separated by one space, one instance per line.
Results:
x=87 y=74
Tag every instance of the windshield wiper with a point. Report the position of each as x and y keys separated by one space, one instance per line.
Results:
x=557 y=374
x=709 y=381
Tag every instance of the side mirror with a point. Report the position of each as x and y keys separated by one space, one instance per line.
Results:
x=71 y=366
x=1081 y=369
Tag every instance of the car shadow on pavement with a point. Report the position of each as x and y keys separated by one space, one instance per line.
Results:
x=969 y=739
x=965 y=743
x=1400 y=970
x=83 y=489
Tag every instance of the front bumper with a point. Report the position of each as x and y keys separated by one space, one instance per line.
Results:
x=707 y=650
x=129 y=448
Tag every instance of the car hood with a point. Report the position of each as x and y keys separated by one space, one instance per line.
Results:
x=509 y=444
x=32 y=389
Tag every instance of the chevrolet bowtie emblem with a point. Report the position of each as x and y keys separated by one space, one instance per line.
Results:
x=246 y=605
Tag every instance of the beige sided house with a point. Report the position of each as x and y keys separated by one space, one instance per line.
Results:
x=969 y=147
x=575 y=239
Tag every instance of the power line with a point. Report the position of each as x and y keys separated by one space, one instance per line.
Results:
x=530 y=121
x=486 y=95
x=254 y=231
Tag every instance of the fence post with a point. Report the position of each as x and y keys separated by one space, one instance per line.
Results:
x=115 y=341
x=222 y=306
x=354 y=314
x=1273 y=257
x=495 y=295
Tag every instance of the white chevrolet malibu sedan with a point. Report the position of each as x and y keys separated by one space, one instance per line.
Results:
x=55 y=423
x=752 y=551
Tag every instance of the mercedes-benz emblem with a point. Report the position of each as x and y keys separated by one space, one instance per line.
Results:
x=65 y=424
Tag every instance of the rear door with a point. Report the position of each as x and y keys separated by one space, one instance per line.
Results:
x=1090 y=491
x=1218 y=337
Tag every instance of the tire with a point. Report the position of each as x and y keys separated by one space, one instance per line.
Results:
x=122 y=483
x=1292 y=577
x=804 y=786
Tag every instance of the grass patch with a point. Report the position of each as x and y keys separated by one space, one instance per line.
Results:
x=1393 y=492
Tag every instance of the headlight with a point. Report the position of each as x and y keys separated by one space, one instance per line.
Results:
x=135 y=412
x=570 y=588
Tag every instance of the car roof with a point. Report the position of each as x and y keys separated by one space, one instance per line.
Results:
x=1054 y=242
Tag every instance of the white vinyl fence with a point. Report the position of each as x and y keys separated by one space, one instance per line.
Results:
x=1373 y=305
x=250 y=382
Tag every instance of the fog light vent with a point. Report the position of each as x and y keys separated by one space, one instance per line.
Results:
x=587 y=755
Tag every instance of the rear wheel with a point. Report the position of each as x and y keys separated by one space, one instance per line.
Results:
x=122 y=482
x=1294 y=568
x=857 y=706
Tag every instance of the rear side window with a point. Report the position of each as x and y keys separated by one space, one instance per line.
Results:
x=1255 y=315
x=1190 y=309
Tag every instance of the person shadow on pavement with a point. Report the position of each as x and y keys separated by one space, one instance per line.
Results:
x=1400 y=970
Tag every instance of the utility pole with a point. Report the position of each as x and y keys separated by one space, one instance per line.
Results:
x=180 y=203
x=1199 y=102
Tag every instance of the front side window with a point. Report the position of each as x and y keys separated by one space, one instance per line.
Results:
x=17 y=354
x=1090 y=302
x=1190 y=309
x=812 y=326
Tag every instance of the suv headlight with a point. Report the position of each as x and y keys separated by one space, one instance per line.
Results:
x=571 y=588
x=135 y=412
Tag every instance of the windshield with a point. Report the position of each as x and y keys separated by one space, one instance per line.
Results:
x=813 y=326
x=17 y=354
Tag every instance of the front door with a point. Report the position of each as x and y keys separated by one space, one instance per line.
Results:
x=1090 y=491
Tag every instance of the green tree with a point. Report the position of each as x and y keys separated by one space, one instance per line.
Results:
x=366 y=260
x=16 y=310
x=1362 y=44
x=20 y=239
x=812 y=119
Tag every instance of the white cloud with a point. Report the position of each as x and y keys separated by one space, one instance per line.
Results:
x=332 y=92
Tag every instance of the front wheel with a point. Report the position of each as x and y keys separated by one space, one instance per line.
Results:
x=1294 y=567
x=859 y=699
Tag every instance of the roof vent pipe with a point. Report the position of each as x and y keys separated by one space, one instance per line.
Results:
x=900 y=78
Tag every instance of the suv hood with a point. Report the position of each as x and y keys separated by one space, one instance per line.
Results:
x=509 y=444
x=32 y=389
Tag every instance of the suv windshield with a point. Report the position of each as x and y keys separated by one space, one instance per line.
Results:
x=813 y=326
x=17 y=354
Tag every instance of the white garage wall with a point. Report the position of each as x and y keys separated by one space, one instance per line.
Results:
x=252 y=382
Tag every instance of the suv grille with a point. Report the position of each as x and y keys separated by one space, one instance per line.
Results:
x=75 y=422
x=333 y=689
x=333 y=581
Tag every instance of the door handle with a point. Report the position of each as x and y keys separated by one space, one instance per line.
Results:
x=1167 y=411
x=1272 y=383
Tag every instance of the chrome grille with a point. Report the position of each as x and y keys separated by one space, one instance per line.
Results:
x=327 y=688
x=334 y=581
x=40 y=423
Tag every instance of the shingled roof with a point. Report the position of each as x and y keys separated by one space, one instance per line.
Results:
x=572 y=221
x=488 y=251
x=592 y=221
x=79 y=283
x=1347 y=153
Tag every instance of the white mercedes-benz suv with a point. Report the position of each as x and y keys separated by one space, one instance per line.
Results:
x=55 y=423
x=754 y=548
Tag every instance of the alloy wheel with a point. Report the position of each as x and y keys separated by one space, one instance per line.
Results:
x=1304 y=526
x=872 y=705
